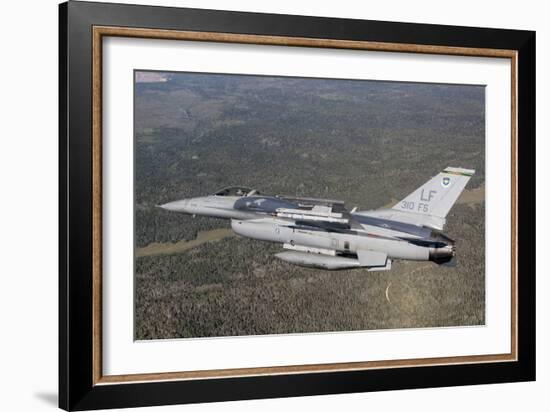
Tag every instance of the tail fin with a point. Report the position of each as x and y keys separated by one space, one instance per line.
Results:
x=433 y=200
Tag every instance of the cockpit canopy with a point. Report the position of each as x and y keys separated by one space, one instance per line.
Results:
x=236 y=191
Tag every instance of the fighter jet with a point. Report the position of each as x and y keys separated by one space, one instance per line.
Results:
x=322 y=233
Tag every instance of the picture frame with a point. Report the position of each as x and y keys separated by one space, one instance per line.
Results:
x=83 y=27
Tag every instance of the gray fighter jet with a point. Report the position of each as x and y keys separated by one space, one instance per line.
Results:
x=322 y=233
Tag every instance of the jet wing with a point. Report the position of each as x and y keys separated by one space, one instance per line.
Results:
x=315 y=214
x=322 y=218
x=311 y=202
x=322 y=226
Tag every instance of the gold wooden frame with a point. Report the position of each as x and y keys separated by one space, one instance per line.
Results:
x=101 y=31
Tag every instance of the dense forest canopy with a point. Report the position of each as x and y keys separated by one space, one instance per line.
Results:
x=368 y=143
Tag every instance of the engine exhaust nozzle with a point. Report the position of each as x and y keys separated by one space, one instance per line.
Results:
x=443 y=250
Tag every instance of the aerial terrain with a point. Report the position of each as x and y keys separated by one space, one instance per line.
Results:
x=369 y=143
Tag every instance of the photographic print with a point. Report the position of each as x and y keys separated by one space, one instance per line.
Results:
x=284 y=205
x=324 y=206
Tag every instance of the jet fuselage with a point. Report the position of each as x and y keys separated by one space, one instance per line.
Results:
x=317 y=236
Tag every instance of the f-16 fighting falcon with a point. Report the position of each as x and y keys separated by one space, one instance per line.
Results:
x=322 y=233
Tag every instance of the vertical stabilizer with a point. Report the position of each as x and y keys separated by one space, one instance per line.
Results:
x=437 y=196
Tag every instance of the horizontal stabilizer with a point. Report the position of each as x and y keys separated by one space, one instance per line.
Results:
x=432 y=222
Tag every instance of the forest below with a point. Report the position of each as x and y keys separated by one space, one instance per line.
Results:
x=368 y=143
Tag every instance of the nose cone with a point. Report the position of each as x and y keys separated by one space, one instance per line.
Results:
x=177 y=206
